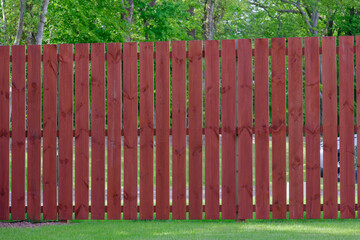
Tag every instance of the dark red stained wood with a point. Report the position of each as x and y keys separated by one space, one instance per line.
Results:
x=295 y=129
x=245 y=122
x=261 y=128
x=195 y=129
x=114 y=130
x=278 y=106
x=49 y=132
x=312 y=127
x=18 y=134
x=228 y=119
x=130 y=130
x=162 y=129
x=97 y=131
x=146 y=131
x=65 y=131
x=179 y=130
x=81 y=131
x=358 y=111
x=212 y=129
x=34 y=133
x=4 y=132
x=346 y=108
x=329 y=126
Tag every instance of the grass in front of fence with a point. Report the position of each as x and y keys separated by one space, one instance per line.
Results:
x=192 y=229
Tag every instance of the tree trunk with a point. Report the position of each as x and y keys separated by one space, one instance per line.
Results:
x=4 y=20
x=146 y=24
x=20 y=23
x=36 y=38
x=192 y=32
x=129 y=16
x=209 y=26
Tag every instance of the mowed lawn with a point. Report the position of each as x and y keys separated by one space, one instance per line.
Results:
x=191 y=229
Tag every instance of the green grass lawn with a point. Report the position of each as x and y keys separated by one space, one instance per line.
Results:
x=192 y=229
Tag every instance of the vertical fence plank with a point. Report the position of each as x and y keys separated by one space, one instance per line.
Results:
x=34 y=132
x=329 y=127
x=346 y=118
x=228 y=119
x=114 y=130
x=130 y=130
x=212 y=129
x=312 y=127
x=82 y=131
x=65 y=131
x=18 y=134
x=195 y=129
x=179 y=130
x=49 y=128
x=358 y=114
x=162 y=129
x=278 y=107
x=97 y=131
x=146 y=130
x=262 y=128
x=245 y=122
x=296 y=178
x=4 y=132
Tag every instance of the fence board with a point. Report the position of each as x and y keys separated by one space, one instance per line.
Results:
x=65 y=131
x=49 y=132
x=358 y=113
x=245 y=121
x=346 y=118
x=212 y=129
x=130 y=130
x=97 y=131
x=195 y=130
x=295 y=109
x=179 y=130
x=312 y=127
x=34 y=132
x=114 y=130
x=82 y=131
x=278 y=109
x=4 y=131
x=261 y=128
x=162 y=129
x=18 y=134
x=146 y=131
x=330 y=155
x=228 y=118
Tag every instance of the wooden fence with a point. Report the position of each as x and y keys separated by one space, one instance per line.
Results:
x=50 y=91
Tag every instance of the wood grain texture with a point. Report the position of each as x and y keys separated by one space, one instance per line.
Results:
x=34 y=133
x=146 y=131
x=97 y=131
x=81 y=131
x=130 y=130
x=261 y=128
x=162 y=130
x=245 y=123
x=278 y=112
x=312 y=127
x=66 y=131
x=179 y=130
x=295 y=96
x=49 y=132
x=346 y=118
x=330 y=152
x=4 y=131
x=228 y=124
x=195 y=129
x=212 y=90
x=18 y=134
x=114 y=130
